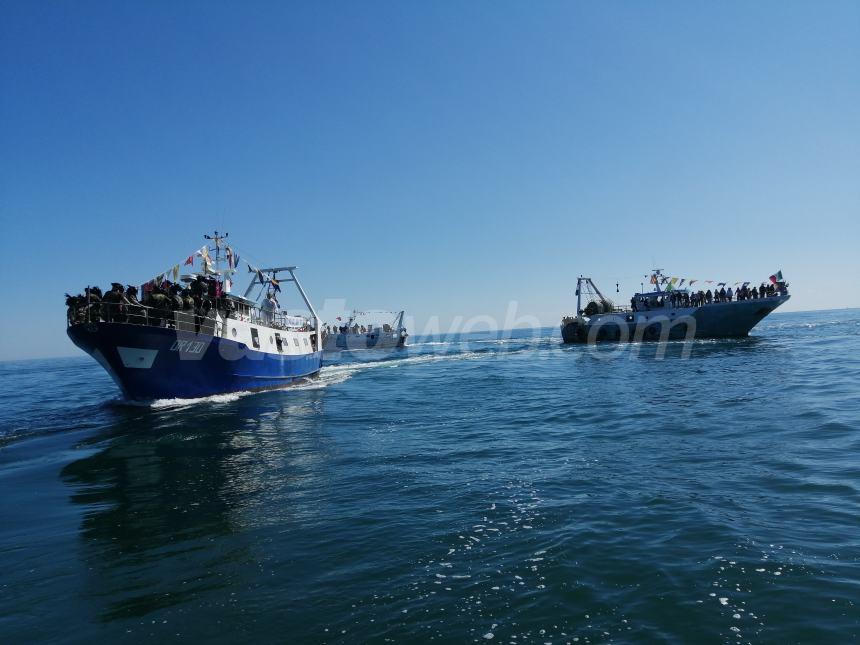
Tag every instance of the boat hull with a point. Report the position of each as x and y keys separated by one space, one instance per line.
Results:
x=157 y=362
x=717 y=320
x=374 y=340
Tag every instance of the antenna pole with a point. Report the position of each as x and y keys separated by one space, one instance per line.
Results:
x=578 y=296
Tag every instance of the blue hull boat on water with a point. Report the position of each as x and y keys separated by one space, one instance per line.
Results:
x=161 y=363
x=671 y=314
x=197 y=340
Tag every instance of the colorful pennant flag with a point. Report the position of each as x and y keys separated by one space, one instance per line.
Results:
x=259 y=273
x=189 y=260
x=275 y=284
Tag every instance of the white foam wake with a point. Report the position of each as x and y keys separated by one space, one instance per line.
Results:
x=161 y=404
x=329 y=375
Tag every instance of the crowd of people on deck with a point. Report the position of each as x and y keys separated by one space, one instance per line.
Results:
x=355 y=329
x=679 y=299
x=168 y=304
x=201 y=298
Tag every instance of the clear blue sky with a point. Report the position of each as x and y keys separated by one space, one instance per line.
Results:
x=444 y=157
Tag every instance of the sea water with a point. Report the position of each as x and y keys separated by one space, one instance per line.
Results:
x=497 y=487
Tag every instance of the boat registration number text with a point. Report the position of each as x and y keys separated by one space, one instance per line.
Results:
x=188 y=346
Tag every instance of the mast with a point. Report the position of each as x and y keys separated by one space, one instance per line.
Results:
x=218 y=239
x=658 y=273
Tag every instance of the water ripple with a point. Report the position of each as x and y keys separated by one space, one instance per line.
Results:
x=479 y=488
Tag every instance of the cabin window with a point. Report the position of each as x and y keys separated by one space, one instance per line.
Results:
x=296 y=341
x=233 y=331
x=271 y=340
x=255 y=338
x=279 y=342
x=306 y=342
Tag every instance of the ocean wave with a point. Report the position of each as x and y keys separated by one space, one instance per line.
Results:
x=481 y=490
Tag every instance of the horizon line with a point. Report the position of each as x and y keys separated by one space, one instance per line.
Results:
x=441 y=334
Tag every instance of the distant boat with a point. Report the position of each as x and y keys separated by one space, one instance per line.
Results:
x=669 y=314
x=198 y=340
x=371 y=334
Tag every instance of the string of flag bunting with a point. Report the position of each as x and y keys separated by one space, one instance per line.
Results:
x=172 y=274
x=233 y=258
x=676 y=283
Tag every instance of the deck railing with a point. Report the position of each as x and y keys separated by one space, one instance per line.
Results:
x=668 y=305
x=185 y=320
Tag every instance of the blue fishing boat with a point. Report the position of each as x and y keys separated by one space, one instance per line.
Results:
x=669 y=313
x=193 y=338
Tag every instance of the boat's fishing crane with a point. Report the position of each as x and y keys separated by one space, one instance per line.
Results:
x=592 y=293
x=273 y=272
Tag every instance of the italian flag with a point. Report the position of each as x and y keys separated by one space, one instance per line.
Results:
x=776 y=277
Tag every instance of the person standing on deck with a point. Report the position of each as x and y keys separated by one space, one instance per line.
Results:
x=268 y=308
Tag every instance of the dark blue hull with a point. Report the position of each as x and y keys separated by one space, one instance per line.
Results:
x=717 y=320
x=161 y=363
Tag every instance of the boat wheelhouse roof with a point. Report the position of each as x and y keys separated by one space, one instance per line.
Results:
x=240 y=299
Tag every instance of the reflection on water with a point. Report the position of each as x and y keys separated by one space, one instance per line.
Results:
x=159 y=500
